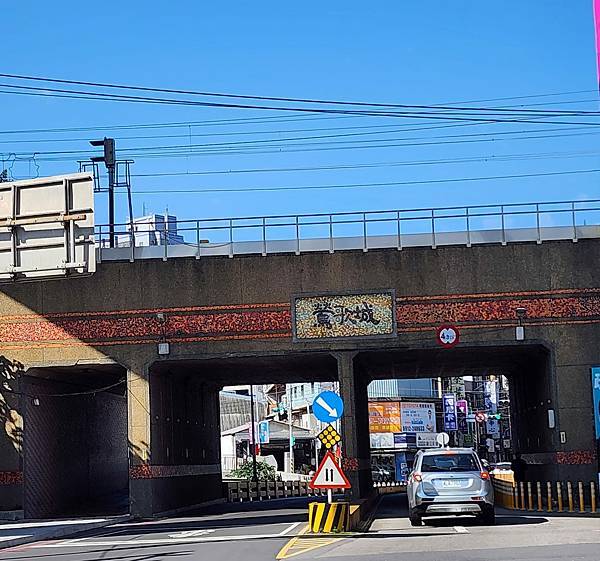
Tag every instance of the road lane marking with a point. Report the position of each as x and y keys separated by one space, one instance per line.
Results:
x=290 y=528
x=303 y=544
x=163 y=541
x=192 y=533
x=461 y=530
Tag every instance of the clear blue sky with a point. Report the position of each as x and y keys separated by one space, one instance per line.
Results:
x=390 y=51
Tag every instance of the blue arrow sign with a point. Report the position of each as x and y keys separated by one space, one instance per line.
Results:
x=328 y=407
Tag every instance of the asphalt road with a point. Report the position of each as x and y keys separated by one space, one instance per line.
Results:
x=516 y=537
x=258 y=531
x=243 y=532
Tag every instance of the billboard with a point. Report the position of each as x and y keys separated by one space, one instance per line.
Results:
x=47 y=227
x=417 y=417
x=384 y=416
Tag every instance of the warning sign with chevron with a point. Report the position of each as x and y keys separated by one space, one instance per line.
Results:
x=329 y=475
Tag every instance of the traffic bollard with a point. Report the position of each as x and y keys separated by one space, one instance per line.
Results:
x=581 y=499
x=593 y=493
x=529 y=496
x=539 y=496
x=549 y=491
x=570 y=495
x=559 y=496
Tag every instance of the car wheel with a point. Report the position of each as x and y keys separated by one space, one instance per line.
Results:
x=488 y=517
x=415 y=520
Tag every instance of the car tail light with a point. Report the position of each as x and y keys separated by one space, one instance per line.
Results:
x=417 y=477
x=485 y=475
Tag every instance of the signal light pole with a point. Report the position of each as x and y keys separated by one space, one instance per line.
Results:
x=109 y=160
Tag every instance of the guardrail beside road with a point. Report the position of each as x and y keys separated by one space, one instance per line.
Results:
x=240 y=491
x=549 y=496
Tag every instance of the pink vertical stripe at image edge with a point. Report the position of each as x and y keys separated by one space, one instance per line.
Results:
x=597 y=32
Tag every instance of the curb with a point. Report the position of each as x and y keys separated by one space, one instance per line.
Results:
x=58 y=532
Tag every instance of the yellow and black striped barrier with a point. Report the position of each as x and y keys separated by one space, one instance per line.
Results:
x=324 y=518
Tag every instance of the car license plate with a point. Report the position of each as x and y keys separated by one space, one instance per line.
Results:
x=450 y=483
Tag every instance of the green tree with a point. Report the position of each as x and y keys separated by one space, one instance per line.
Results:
x=264 y=471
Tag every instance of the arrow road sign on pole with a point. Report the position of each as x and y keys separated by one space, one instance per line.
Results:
x=328 y=407
x=329 y=475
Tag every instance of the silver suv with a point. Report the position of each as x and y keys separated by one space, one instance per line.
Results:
x=449 y=482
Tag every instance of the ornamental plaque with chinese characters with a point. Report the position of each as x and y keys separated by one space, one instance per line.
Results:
x=344 y=316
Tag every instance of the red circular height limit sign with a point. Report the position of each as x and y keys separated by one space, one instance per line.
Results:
x=447 y=336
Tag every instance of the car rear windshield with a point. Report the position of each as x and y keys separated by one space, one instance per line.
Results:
x=448 y=461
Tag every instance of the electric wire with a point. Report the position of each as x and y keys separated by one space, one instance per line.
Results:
x=363 y=185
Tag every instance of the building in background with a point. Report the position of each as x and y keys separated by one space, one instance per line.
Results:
x=152 y=230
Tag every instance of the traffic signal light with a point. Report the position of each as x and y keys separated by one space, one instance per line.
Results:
x=109 y=151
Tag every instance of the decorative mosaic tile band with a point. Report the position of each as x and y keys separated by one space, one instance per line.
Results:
x=11 y=477
x=265 y=321
x=145 y=471
x=576 y=457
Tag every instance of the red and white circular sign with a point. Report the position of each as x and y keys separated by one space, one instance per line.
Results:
x=447 y=336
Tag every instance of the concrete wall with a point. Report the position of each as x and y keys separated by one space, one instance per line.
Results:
x=219 y=308
x=75 y=449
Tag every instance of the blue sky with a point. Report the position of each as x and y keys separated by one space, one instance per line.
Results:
x=410 y=52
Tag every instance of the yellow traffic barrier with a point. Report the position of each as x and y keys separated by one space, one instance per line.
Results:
x=581 y=500
x=539 y=496
x=522 y=493
x=559 y=496
x=328 y=518
x=570 y=495
x=593 y=494
x=549 y=492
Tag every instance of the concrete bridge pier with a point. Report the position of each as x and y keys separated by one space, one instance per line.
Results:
x=174 y=443
x=355 y=425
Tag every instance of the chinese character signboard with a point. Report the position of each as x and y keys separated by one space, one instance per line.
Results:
x=449 y=408
x=343 y=316
x=384 y=416
x=417 y=417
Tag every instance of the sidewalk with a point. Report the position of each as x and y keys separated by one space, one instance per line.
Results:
x=23 y=532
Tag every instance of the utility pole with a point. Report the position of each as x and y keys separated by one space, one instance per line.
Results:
x=253 y=433
x=110 y=162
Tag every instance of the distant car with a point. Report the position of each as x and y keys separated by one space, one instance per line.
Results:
x=449 y=482
x=381 y=475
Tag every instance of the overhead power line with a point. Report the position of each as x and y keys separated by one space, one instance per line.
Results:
x=364 y=185
x=454 y=114
x=229 y=95
x=333 y=167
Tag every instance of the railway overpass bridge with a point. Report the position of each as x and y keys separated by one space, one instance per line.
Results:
x=91 y=407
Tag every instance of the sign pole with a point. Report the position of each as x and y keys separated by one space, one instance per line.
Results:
x=329 y=496
x=253 y=434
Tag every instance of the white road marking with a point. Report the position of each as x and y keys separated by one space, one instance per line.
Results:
x=192 y=534
x=290 y=528
x=73 y=543
x=461 y=530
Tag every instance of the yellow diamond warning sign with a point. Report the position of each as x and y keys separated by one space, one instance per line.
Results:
x=329 y=437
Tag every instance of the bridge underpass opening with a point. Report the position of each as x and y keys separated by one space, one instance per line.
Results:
x=511 y=384
x=186 y=436
x=75 y=441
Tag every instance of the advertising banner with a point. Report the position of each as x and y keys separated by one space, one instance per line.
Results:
x=384 y=416
x=596 y=394
x=449 y=408
x=417 y=417
x=264 y=432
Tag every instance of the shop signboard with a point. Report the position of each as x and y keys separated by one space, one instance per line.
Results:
x=382 y=440
x=384 y=416
x=449 y=407
x=405 y=440
x=417 y=417
x=427 y=440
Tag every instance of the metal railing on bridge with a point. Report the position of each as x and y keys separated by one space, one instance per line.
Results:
x=300 y=233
